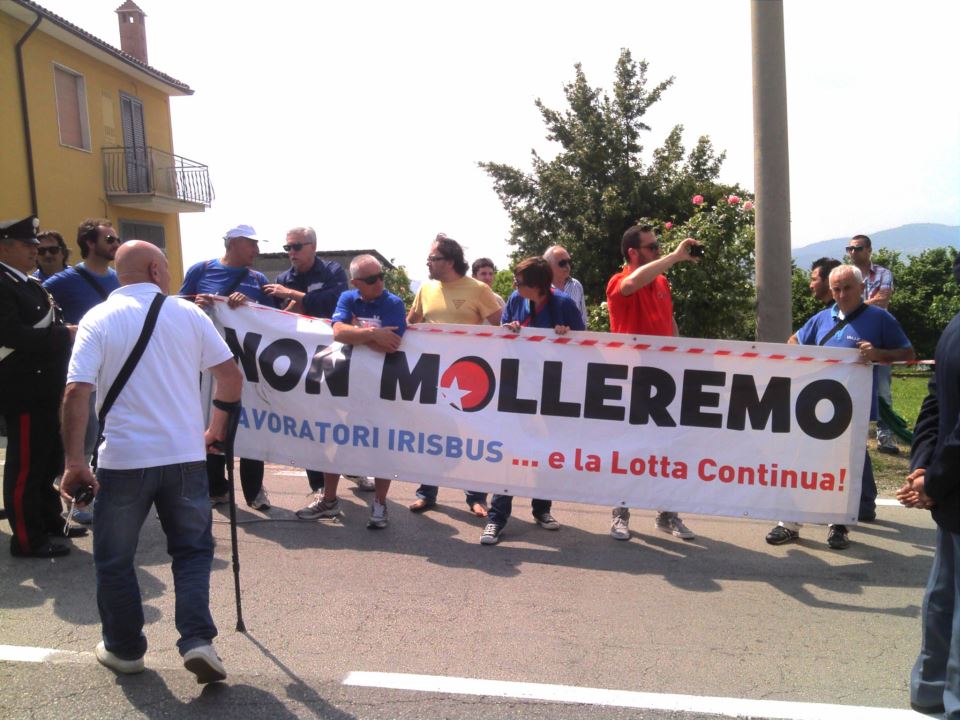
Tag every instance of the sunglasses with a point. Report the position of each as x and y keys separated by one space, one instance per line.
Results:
x=854 y=248
x=435 y=258
x=565 y=263
x=112 y=240
x=54 y=250
x=294 y=246
x=371 y=279
x=651 y=246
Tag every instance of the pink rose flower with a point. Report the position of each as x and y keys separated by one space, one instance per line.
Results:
x=697 y=200
x=668 y=225
x=748 y=205
x=733 y=200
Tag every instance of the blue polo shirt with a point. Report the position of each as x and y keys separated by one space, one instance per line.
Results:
x=214 y=278
x=560 y=309
x=322 y=284
x=75 y=295
x=874 y=324
x=385 y=311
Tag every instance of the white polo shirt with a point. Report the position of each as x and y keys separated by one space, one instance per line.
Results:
x=157 y=419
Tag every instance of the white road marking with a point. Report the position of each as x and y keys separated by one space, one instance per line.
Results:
x=20 y=653
x=890 y=502
x=730 y=707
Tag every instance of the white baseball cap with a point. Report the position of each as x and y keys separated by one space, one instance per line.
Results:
x=243 y=231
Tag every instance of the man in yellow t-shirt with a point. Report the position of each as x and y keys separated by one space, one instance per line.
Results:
x=452 y=297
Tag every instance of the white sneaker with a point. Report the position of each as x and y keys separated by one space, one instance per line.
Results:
x=126 y=667
x=620 y=529
x=319 y=509
x=203 y=662
x=261 y=501
x=362 y=482
x=378 y=516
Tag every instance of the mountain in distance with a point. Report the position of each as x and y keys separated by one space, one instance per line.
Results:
x=909 y=239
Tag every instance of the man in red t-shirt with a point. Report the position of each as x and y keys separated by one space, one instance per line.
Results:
x=639 y=302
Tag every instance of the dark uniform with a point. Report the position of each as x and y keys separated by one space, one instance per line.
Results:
x=34 y=350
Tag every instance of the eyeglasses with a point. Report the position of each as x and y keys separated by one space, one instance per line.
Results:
x=112 y=240
x=53 y=250
x=651 y=246
x=371 y=279
x=565 y=263
x=435 y=258
x=295 y=246
x=854 y=248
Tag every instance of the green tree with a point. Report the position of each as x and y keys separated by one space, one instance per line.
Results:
x=599 y=183
x=503 y=283
x=398 y=282
x=805 y=305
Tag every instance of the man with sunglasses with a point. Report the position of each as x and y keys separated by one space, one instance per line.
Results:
x=78 y=289
x=34 y=349
x=367 y=315
x=452 y=297
x=311 y=287
x=877 y=289
x=640 y=303
x=52 y=255
x=562 y=267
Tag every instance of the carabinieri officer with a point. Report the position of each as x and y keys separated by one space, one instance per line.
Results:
x=34 y=350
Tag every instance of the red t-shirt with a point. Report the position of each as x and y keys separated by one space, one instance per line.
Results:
x=649 y=311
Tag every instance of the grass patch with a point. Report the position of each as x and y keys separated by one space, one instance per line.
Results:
x=908 y=389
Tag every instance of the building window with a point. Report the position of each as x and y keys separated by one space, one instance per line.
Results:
x=139 y=230
x=71 y=108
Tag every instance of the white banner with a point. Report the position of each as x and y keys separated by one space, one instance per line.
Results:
x=756 y=430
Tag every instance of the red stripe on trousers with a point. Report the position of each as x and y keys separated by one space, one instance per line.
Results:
x=20 y=488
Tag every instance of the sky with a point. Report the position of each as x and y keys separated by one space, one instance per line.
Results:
x=367 y=119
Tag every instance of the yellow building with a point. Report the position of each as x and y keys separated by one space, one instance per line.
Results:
x=85 y=131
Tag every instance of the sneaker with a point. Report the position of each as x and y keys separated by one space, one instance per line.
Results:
x=219 y=499
x=261 y=501
x=362 y=482
x=319 y=508
x=547 y=521
x=888 y=448
x=126 y=667
x=670 y=523
x=838 y=537
x=620 y=529
x=491 y=534
x=83 y=517
x=781 y=536
x=203 y=662
x=378 y=516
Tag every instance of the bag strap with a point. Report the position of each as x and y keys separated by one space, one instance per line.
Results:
x=128 y=367
x=842 y=323
x=228 y=290
x=85 y=274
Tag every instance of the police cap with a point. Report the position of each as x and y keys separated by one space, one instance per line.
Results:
x=25 y=229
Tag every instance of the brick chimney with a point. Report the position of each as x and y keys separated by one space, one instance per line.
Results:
x=133 y=31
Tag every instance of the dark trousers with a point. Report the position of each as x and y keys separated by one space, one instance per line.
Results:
x=501 y=507
x=251 y=476
x=33 y=461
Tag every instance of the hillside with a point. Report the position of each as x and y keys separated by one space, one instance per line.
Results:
x=906 y=239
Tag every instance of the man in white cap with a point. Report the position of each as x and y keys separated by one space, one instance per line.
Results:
x=232 y=277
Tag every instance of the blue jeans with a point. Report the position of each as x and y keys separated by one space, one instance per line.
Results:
x=124 y=499
x=884 y=379
x=935 y=678
x=429 y=493
x=502 y=506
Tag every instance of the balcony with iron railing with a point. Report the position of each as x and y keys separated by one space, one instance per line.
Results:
x=150 y=179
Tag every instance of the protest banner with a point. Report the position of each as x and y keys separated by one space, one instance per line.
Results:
x=755 y=430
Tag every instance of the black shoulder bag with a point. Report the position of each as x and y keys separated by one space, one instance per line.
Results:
x=85 y=274
x=128 y=367
x=842 y=323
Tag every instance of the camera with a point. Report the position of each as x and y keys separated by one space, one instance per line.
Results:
x=696 y=250
x=83 y=496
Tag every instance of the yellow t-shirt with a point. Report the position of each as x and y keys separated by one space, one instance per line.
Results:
x=465 y=301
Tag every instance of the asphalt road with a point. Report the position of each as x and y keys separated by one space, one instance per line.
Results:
x=724 y=615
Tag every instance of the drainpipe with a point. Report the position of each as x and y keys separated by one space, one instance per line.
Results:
x=26 y=115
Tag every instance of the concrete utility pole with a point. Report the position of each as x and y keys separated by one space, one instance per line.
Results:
x=771 y=170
